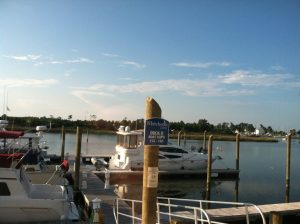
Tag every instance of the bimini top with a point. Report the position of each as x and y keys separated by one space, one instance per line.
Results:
x=11 y=134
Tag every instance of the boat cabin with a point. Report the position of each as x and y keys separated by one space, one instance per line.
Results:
x=129 y=139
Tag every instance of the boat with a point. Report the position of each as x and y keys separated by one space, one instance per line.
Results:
x=130 y=154
x=15 y=145
x=23 y=201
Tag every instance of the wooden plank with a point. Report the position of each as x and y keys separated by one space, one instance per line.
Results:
x=234 y=213
x=239 y=213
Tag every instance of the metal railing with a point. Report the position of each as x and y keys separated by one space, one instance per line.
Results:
x=170 y=208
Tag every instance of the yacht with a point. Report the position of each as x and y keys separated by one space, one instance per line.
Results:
x=130 y=154
x=23 y=201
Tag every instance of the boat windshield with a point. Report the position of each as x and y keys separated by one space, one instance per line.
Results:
x=172 y=150
x=127 y=141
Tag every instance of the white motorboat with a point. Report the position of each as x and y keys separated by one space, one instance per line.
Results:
x=130 y=154
x=22 y=201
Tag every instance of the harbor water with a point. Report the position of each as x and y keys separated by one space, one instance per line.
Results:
x=262 y=170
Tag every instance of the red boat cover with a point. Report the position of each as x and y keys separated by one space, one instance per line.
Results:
x=11 y=134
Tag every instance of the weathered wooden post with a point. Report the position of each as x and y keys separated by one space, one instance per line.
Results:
x=237 y=190
x=237 y=152
x=209 y=161
x=179 y=138
x=275 y=218
x=77 y=159
x=204 y=140
x=150 y=173
x=63 y=139
x=288 y=168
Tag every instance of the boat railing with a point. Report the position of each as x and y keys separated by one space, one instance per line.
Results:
x=176 y=208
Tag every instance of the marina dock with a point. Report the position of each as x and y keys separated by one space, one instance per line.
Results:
x=238 y=213
x=95 y=188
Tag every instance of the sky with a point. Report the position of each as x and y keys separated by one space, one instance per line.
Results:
x=224 y=61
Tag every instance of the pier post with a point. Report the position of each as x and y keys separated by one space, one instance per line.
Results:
x=150 y=173
x=237 y=152
x=275 y=218
x=179 y=138
x=288 y=168
x=77 y=159
x=204 y=140
x=209 y=161
x=63 y=139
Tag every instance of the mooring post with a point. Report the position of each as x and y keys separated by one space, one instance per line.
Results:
x=63 y=139
x=275 y=218
x=150 y=173
x=209 y=161
x=179 y=138
x=204 y=140
x=288 y=168
x=237 y=152
x=77 y=159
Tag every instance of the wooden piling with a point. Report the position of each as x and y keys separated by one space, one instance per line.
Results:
x=275 y=218
x=288 y=167
x=204 y=140
x=209 y=162
x=77 y=159
x=179 y=138
x=237 y=152
x=150 y=173
x=63 y=139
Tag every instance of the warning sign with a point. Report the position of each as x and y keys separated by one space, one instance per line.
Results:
x=156 y=131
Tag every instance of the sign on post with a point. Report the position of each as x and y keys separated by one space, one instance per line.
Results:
x=156 y=131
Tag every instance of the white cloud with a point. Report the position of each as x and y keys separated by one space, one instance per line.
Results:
x=111 y=55
x=29 y=57
x=201 y=64
x=237 y=83
x=70 y=61
x=254 y=78
x=188 y=87
x=133 y=63
x=27 y=82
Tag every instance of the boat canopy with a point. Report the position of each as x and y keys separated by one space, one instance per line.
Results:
x=11 y=134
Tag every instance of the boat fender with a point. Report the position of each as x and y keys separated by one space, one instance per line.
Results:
x=65 y=165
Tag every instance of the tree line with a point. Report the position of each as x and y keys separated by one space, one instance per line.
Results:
x=227 y=128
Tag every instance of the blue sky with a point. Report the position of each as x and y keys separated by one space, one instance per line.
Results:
x=225 y=61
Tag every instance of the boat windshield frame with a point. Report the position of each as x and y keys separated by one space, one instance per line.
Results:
x=127 y=141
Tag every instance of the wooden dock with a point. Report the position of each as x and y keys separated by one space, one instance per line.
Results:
x=95 y=188
x=238 y=213
x=234 y=214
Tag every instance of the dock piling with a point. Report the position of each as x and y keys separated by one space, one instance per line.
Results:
x=288 y=168
x=150 y=173
x=63 y=136
x=275 y=218
x=77 y=159
x=237 y=154
x=209 y=161
x=204 y=140
x=179 y=138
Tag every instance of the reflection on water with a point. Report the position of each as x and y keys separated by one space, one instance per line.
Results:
x=190 y=188
x=262 y=169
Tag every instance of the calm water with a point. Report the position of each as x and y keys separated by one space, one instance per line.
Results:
x=262 y=170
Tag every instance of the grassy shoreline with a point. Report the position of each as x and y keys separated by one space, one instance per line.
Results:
x=189 y=136
x=217 y=137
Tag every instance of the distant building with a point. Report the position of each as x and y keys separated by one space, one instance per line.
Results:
x=259 y=131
